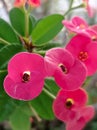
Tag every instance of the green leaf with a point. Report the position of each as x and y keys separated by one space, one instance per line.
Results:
x=47 y=28
x=1 y=45
x=33 y=21
x=51 y=86
x=43 y=106
x=18 y=21
x=6 y=107
x=7 y=33
x=50 y=45
x=19 y=120
x=7 y=52
x=2 y=75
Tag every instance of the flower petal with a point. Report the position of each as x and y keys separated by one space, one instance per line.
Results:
x=73 y=79
x=24 y=91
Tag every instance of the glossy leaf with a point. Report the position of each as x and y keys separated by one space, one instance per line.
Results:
x=7 y=33
x=43 y=106
x=2 y=75
x=47 y=28
x=19 y=120
x=51 y=86
x=33 y=20
x=6 y=107
x=18 y=21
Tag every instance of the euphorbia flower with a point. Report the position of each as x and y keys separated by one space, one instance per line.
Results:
x=34 y=3
x=84 y=49
x=77 y=24
x=85 y=115
x=69 y=73
x=67 y=103
x=25 y=77
x=19 y=3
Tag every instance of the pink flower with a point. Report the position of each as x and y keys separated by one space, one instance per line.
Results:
x=67 y=103
x=69 y=73
x=19 y=3
x=88 y=8
x=86 y=114
x=25 y=77
x=84 y=49
x=34 y=3
x=77 y=24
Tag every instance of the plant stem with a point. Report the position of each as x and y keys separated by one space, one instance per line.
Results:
x=73 y=8
x=49 y=94
x=71 y=3
x=4 y=41
x=77 y=7
x=34 y=112
x=1 y=71
x=26 y=23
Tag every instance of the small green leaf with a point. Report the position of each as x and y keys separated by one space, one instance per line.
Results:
x=47 y=28
x=19 y=120
x=18 y=21
x=6 y=107
x=7 y=52
x=51 y=86
x=2 y=75
x=43 y=106
x=7 y=33
x=33 y=21
x=51 y=45
x=1 y=45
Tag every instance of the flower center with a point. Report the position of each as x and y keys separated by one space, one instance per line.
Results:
x=94 y=38
x=83 y=56
x=69 y=102
x=81 y=26
x=26 y=76
x=63 y=68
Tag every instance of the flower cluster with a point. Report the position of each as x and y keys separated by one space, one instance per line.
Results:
x=70 y=107
x=69 y=66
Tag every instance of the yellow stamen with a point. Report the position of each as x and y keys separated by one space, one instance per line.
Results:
x=69 y=102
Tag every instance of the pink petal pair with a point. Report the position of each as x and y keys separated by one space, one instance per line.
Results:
x=84 y=49
x=69 y=73
x=77 y=24
x=25 y=77
x=67 y=103
x=19 y=3
x=86 y=114
x=33 y=3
